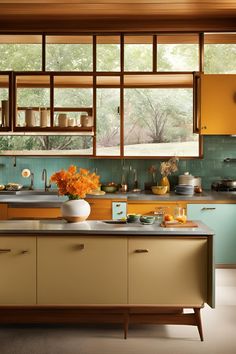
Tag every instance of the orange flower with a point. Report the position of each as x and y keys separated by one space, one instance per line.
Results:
x=75 y=184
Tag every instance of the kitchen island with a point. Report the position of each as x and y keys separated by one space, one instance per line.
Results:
x=55 y=272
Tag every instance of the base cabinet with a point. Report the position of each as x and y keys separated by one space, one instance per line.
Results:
x=167 y=270
x=82 y=270
x=17 y=270
x=222 y=219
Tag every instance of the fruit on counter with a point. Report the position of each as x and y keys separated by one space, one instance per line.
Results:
x=168 y=217
x=2 y=186
x=182 y=219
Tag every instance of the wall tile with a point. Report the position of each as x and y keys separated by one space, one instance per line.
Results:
x=210 y=168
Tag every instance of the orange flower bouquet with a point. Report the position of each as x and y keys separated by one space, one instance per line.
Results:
x=75 y=184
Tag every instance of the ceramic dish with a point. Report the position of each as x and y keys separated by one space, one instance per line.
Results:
x=159 y=190
x=13 y=186
x=147 y=219
x=133 y=217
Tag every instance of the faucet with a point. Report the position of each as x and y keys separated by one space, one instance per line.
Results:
x=31 y=181
x=44 y=178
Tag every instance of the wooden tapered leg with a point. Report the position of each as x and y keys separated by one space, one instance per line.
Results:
x=126 y=324
x=198 y=321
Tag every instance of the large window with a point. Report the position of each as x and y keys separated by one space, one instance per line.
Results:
x=136 y=88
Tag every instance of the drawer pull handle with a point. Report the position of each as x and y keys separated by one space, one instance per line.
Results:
x=5 y=250
x=141 y=250
x=80 y=246
x=24 y=251
x=203 y=209
x=117 y=205
x=120 y=212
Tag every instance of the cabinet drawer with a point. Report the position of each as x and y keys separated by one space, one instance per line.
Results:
x=34 y=213
x=119 y=210
x=151 y=208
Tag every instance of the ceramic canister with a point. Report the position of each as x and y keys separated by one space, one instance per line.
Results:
x=62 y=120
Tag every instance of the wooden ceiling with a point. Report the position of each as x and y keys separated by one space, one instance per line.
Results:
x=117 y=15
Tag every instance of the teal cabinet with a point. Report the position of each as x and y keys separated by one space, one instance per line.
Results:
x=222 y=219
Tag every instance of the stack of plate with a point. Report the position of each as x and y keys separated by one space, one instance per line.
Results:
x=184 y=189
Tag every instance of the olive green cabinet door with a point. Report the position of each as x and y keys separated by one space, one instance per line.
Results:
x=168 y=271
x=82 y=270
x=17 y=270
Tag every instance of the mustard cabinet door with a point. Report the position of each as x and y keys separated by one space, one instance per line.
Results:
x=82 y=270
x=167 y=271
x=218 y=108
x=18 y=270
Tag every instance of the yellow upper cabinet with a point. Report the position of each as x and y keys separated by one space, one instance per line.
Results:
x=218 y=104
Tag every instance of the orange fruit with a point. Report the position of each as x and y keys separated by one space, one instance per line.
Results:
x=168 y=217
x=182 y=219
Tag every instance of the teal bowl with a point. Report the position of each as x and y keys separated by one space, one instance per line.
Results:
x=133 y=217
x=147 y=219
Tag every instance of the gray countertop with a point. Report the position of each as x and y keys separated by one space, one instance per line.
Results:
x=97 y=227
x=53 y=200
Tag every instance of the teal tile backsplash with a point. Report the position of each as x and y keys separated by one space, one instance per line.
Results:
x=210 y=168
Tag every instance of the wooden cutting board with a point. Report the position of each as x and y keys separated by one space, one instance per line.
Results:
x=188 y=223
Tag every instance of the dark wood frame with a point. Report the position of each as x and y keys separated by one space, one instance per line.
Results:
x=122 y=73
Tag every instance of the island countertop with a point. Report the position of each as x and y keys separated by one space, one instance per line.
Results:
x=97 y=227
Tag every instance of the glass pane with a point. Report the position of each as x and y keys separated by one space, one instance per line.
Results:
x=108 y=53
x=108 y=122
x=159 y=122
x=177 y=53
x=33 y=93
x=73 y=100
x=69 y=53
x=138 y=53
x=46 y=145
x=219 y=58
x=4 y=101
x=20 y=53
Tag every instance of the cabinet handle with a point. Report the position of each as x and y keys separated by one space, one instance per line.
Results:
x=5 y=250
x=24 y=251
x=204 y=209
x=196 y=103
x=117 y=205
x=120 y=212
x=141 y=250
x=80 y=246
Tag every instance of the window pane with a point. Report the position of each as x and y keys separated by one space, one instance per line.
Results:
x=69 y=53
x=74 y=98
x=20 y=53
x=138 y=53
x=108 y=122
x=47 y=145
x=177 y=53
x=159 y=122
x=108 y=53
x=4 y=101
x=219 y=58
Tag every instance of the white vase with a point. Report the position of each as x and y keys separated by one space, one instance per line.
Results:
x=75 y=210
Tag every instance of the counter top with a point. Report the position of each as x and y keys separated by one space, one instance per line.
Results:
x=97 y=227
x=53 y=200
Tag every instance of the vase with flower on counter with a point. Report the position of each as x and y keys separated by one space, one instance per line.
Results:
x=166 y=168
x=75 y=185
